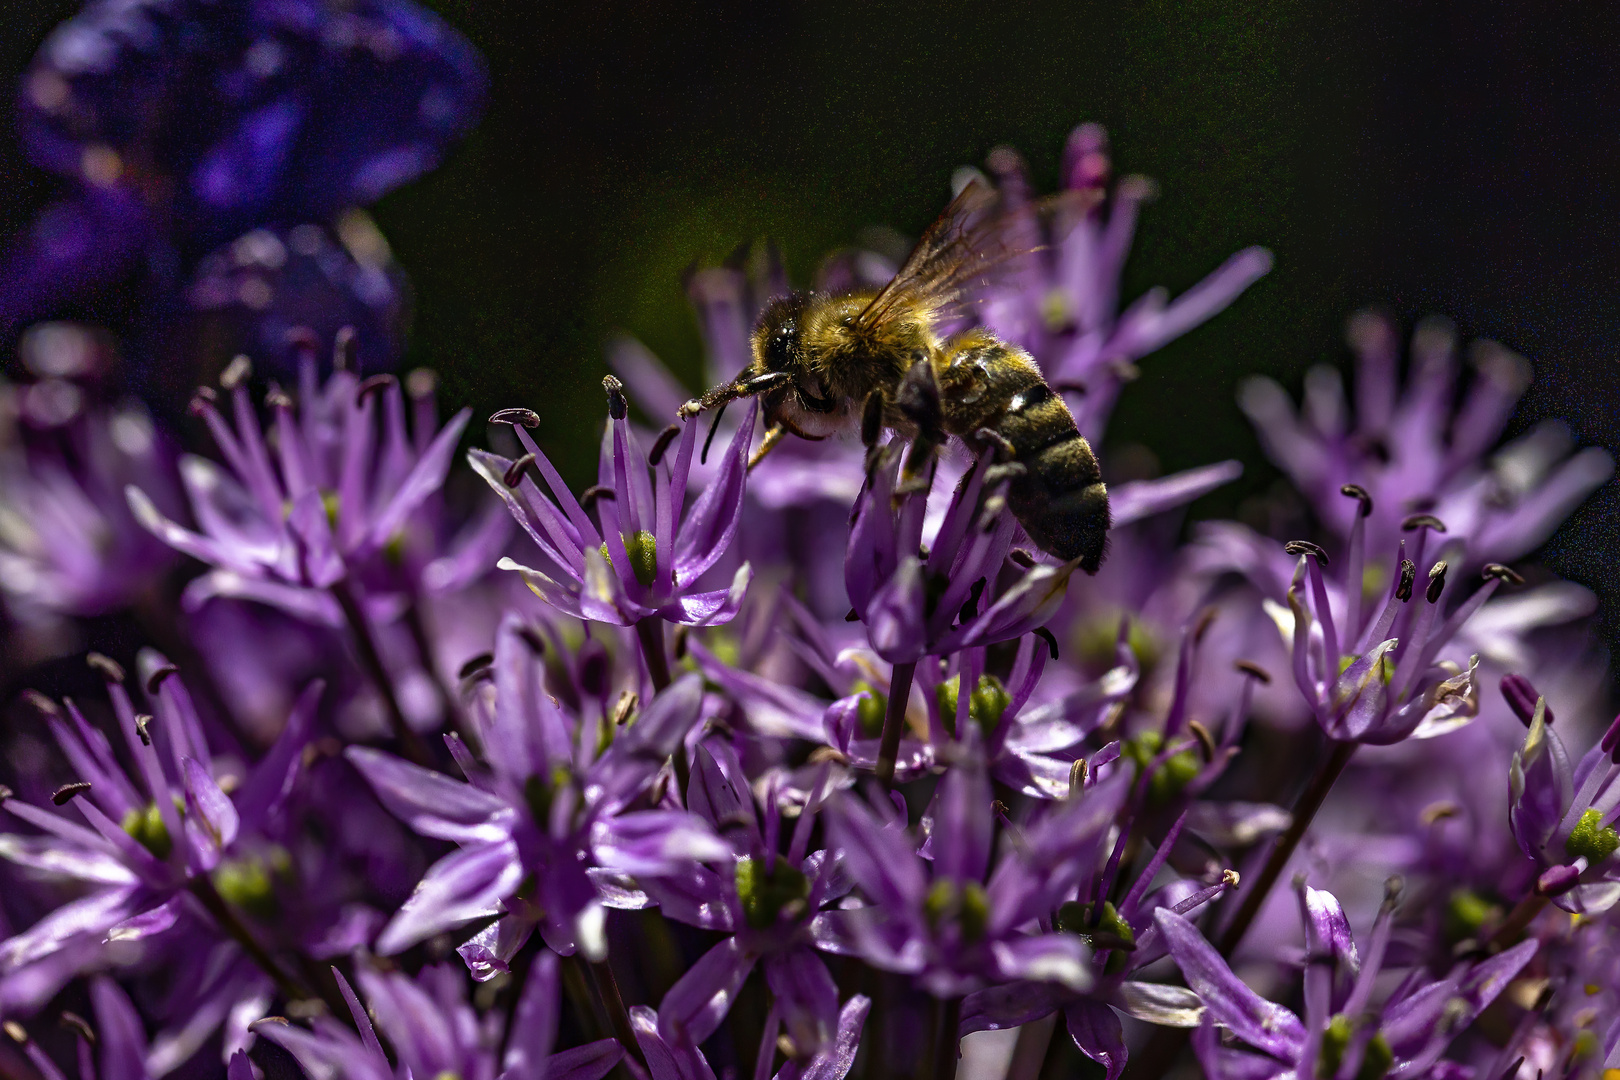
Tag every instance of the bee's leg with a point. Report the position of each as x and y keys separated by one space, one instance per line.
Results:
x=731 y=391
x=714 y=426
x=919 y=400
x=773 y=435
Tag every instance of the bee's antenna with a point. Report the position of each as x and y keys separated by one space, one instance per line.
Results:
x=714 y=426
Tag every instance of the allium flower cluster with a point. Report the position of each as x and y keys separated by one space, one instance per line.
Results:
x=811 y=770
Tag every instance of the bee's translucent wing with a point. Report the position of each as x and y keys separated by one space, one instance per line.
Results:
x=964 y=245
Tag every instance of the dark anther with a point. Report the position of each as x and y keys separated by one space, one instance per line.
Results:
x=1206 y=619
x=661 y=444
x=997 y=440
x=514 y=472
x=531 y=637
x=588 y=497
x=1403 y=588
x=62 y=794
x=970 y=609
x=18 y=1033
x=482 y=660
x=1000 y=809
x=1423 y=521
x=714 y=426
x=1254 y=670
x=872 y=419
x=345 y=349
x=1206 y=741
x=78 y=1024
x=1020 y=557
x=1046 y=635
x=5 y=793
x=1394 y=885
x=993 y=506
x=238 y=371
x=277 y=398
x=1437 y=582
x=1009 y=470
x=105 y=666
x=1521 y=697
x=154 y=681
x=626 y=708
x=618 y=408
x=1501 y=573
x=680 y=642
x=1358 y=493
x=1305 y=547
x=143 y=722
x=517 y=418
x=41 y=702
x=202 y=401
x=371 y=386
x=853 y=616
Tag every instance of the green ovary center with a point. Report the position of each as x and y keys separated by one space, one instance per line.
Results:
x=642 y=548
x=1376 y=1061
x=146 y=826
x=764 y=895
x=985 y=707
x=1589 y=839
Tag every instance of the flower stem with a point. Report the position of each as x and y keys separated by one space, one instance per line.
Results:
x=894 y=721
x=947 y=1043
x=226 y=919
x=1029 y=1052
x=1523 y=914
x=1305 y=808
x=371 y=660
x=607 y=987
x=650 y=632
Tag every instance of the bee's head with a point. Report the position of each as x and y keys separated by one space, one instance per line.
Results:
x=777 y=344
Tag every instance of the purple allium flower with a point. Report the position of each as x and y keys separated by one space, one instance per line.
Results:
x=314 y=107
x=951 y=597
x=764 y=898
x=1564 y=818
x=1342 y=1033
x=1412 y=454
x=67 y=545
x=168 y=855
x=117 y=1041
x=649 y=554
x=433 y=1032
x=549 y=803
x=1060 y=300
x=1125 y=939
x=942 y=916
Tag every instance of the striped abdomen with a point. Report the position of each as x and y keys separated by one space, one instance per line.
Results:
x=1060 y=499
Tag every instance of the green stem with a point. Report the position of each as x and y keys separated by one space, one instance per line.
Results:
x=290 y=988
x=1522 y=915
x=650 y=632
x=894 y=721
x=947 y=1042
x=365 y=645
x=613 y=1003
x=1029 y=1052
x=1305 y=808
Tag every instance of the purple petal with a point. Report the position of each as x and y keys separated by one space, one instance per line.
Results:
x=707 y=531
x=1131 y=502
x=835 y=1059
x=426 y=477
x=656 y=842
x=462 y=886
x=592 y=1061
x=148 y=923
x=1057 y=958
x=1251 y=1017
x=211 y=810
x=702 y=997
x=533 y=1029
x=1096 y=1030
x=806 y=996
x=120 y=1032
x=1010 y=1004
x=431 y=803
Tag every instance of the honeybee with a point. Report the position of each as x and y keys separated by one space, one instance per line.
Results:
x=823 y=363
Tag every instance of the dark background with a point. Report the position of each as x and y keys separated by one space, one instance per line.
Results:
x=1429 y=157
